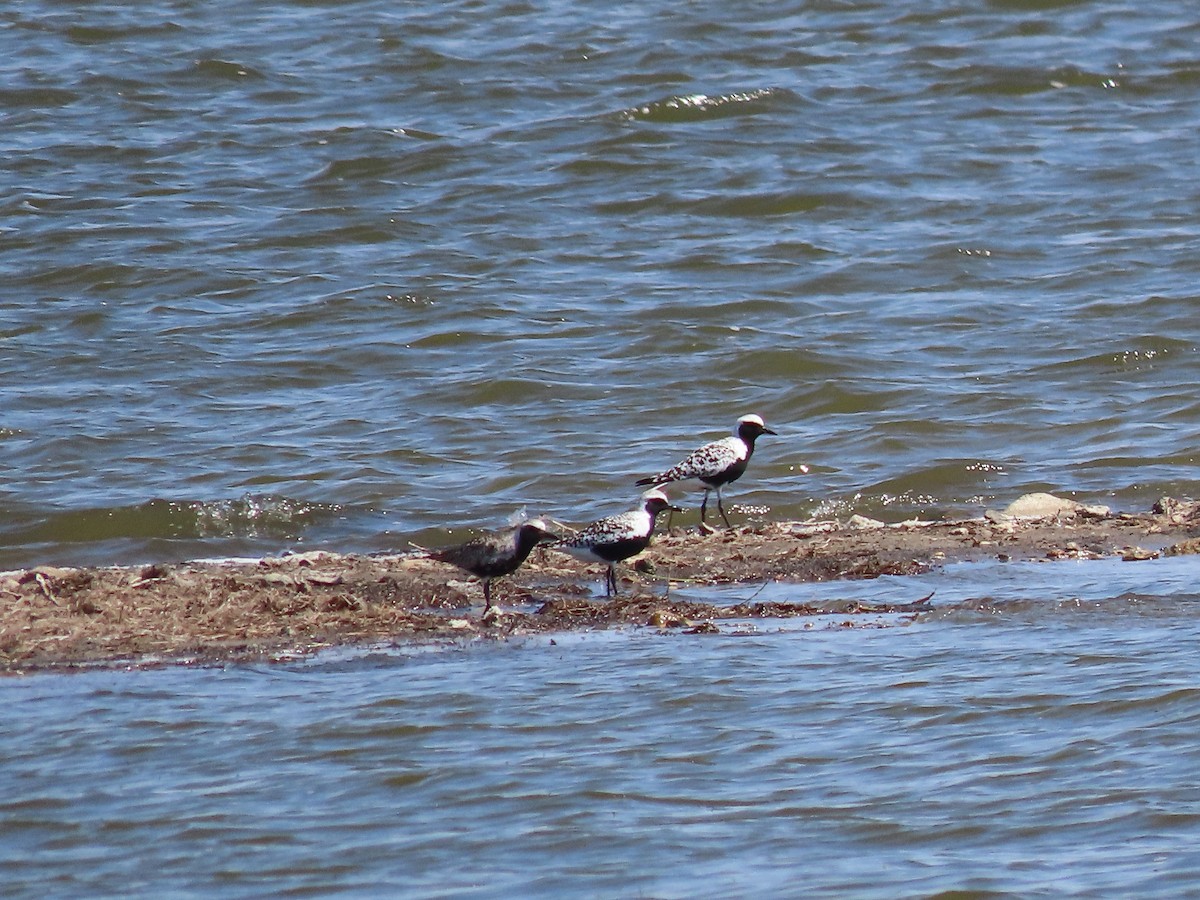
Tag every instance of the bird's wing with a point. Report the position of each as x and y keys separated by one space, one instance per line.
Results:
x=711 y=459
x=602 y=529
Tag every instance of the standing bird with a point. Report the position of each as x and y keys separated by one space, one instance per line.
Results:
x=496 y=553
x=717 y=464
x=617 y=537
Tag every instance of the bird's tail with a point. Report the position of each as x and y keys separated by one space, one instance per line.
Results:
x=651 y=480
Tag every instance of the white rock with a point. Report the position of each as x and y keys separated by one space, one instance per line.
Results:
x=862 y=523
x=1046 y=506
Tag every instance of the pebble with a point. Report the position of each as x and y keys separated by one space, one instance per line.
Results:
x=1134 y=554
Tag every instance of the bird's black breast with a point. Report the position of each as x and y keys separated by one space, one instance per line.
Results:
x=622 y=548
x=486 y=557
x=731 y=473
x=494 y=568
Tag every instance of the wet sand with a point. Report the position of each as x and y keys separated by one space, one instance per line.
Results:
x=208 y=613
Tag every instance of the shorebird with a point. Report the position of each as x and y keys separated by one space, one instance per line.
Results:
x=717 y=464
x=496 y=553
x=617 y=537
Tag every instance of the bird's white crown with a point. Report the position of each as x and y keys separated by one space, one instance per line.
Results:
x=655 y=494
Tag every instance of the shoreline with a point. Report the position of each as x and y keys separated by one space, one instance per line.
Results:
x=207 y=613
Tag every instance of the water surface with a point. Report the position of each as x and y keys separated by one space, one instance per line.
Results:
x=351 y=275
x=1036 y=745
x=345 y=275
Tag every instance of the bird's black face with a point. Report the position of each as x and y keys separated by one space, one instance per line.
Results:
x=750 y=430
x=656 y=505
x=538 y=533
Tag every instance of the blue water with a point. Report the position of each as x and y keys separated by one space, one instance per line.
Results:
x=353 y=275
x=1031 y=746
x=349 y=275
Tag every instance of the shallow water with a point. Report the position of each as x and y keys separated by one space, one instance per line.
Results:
x=1042 y=744
x=354 y=275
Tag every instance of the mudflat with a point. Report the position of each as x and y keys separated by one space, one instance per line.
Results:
x=208 y=613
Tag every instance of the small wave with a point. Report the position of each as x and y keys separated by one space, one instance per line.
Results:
x=1154 y=351
x=385 y=166
x=988 y=80
x=37 y=98
x=697 y=107
x=251 y=516
x=88 y=35
x=99 y=276
x=225 y=70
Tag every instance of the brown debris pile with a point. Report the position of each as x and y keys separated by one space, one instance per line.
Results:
x=280 y=608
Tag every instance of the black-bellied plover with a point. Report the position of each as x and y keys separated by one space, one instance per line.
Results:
x=617 y=537
x=496 y=553
x=717 y=464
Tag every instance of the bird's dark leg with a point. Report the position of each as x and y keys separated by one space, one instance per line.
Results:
x=610 y=580
x=487 y=595
x=721 y=510
x=704 y=528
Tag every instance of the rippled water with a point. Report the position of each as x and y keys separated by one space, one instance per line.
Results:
x=343 y=274
x=1041 y=742
x=350 y=275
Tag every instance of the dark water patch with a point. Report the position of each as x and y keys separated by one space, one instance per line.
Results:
x=384 y=169
x=835 y=397
x=1183 y=75
x=29 y=98
x=769 y=205
x=215 y=71
x=129 y=30
x=659 y=201
x=97 y=276
x=1036 y=5
x=604 y=168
